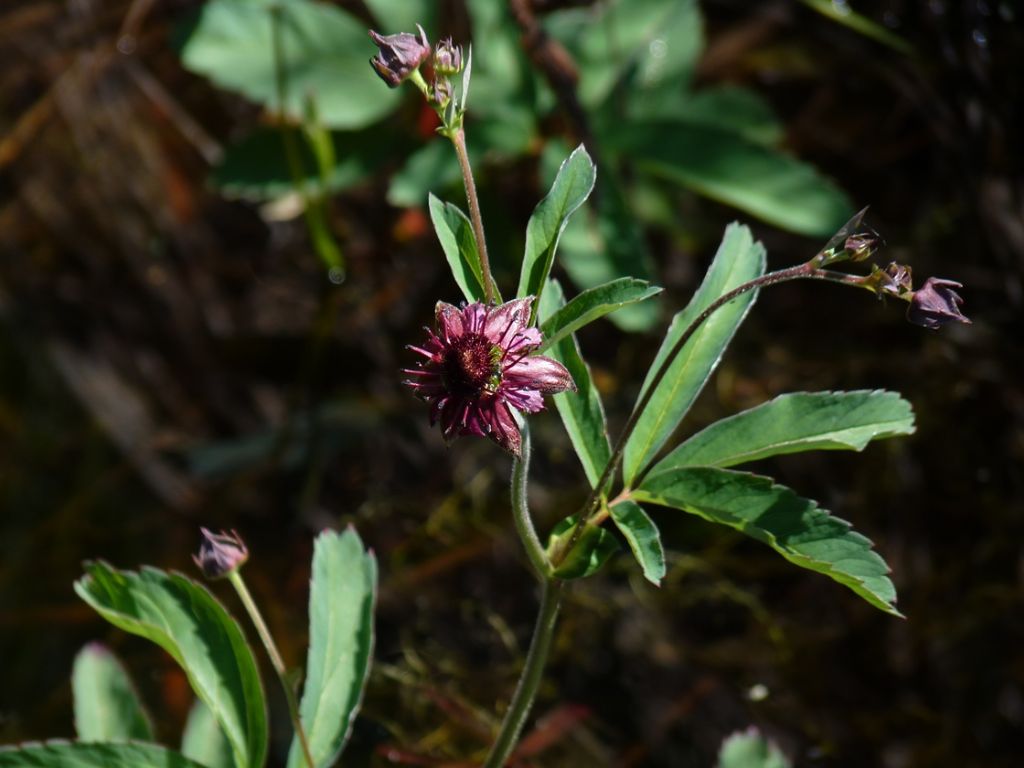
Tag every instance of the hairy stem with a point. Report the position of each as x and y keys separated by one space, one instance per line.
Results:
x=458 y=138
x=521 y=510
x=529 y=680
x=235 y=577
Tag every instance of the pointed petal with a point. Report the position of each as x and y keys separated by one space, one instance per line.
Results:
x=525 y=400
x=505 y=321
x=504 y=430
x=540 y=373
x=449 y=321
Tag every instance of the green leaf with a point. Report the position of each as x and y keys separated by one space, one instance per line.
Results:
x=185 y=620
x=581 y=411
x=324 y=53
x=594 y=548
x=66 y=754
x=455 y=232
x=642 y=535
x=431 y=167
x=841 y=13
x=749 y=749
x=404 y=15
x=593 y=304
x=739 y=259
x=203 y=740
x=799 y=421
x=572 y=186
x=107 y=706
x=341 y=604
x=795 y=527
x=736 y=110
x=727 y=167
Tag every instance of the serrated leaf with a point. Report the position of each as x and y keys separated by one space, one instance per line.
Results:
x=592 y=551
x=185 y=620
x=203 y=740
x=593 y=304
x=727 y=167
x=67 y=754
x=324 y=53
x=643 y=538
x=572 y=186
x=107 y=706
x=455 y=233
x=795 y=527
x=749 y=749
x=799 y=421
x=341 y=604
x=581 y=411
x=738 y=260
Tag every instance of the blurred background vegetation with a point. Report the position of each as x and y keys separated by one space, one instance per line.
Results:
x=180 y=345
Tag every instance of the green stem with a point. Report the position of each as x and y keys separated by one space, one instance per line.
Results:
x=458 y=138
x=593 y=502
x=529 y=680
x=235 y=577
x=521 y=510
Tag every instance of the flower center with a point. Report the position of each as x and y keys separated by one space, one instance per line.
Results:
x=471 y=364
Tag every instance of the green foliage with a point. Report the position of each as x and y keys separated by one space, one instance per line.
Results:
x=750 y=750
x=799 y=421
x=107 y=707
x=341 y=605
x=455 y=232
x=66 y=754
x=595 y=303
x=185 y=620
x=203 y=739
x=323 y=54
x=795 y=527
x=572 y=186
x=643 y=538
x=842 y=14
x=594 y=548
x=738 y=260
x=581 y=411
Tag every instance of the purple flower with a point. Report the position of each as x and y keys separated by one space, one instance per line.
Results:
x=220 y=553
x=478 y=368
x=400 y=55
x=936 y=303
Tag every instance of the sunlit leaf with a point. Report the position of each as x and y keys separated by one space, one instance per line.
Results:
x=341 y=605
x=643 y=538
x=107 y=706
x=799 y=421
x=795 y=527
x=749 y=749
x=594 y=548
x=324 y=54
x=185 y=620
x=66 y=754
x=593 y=304
x=581 y=411
x=738 y=260
x=455 y=233
x=572 y=186
x=203 y=739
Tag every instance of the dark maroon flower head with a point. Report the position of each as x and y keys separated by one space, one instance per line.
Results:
x=936 y=303
x=220 y=553
x=478 y=368
x=400 y=55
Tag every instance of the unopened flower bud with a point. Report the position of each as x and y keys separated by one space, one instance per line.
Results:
x=441 y=92
x=220 y=554
x=935 y=304
x=895 y=280
x=447 y=58
x=400 y=55
x=862 y=245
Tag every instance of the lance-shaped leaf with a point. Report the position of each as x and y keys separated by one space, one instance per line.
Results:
x=796 y=528
x=107 y=707
x=643 y=538
x=203 y=740
x=595 y=546
x=593 y=304
x=341 y=603
x=799 y=421
x=572 y=186
x=185 y=620
x=739 y=259
x=455 y=232
x=67 y=754
x=581 y=411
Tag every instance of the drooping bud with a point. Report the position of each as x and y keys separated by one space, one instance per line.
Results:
x=936 y=303
x=447 y=58
x=220 y=554
x=400 y=55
